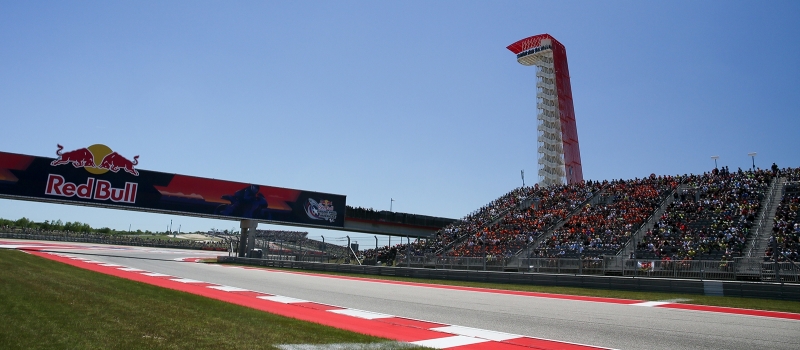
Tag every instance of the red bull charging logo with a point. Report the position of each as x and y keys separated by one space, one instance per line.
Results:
x=96 y=159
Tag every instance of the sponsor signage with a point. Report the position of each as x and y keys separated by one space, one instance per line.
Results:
x=99 y=176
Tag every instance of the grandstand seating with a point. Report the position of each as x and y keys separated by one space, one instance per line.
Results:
x=521 y=225
x=786 y=225
x=710 y=219
x=603 y=228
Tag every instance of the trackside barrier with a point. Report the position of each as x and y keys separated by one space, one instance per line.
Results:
x=78 y=239
x=766 y=290
x=739 y=269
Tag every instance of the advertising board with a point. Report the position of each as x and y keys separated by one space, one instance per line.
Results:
x=97 y=176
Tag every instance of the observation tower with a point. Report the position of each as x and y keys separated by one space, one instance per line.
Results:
x=559 y=153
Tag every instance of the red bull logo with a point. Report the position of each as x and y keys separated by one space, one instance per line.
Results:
x=92 y=189
x=322 y=210
x=96 y=159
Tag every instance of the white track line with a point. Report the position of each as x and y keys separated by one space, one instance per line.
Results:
x=361 y=314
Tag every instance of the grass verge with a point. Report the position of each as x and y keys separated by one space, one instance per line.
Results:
x=746 y=303
x=49 y=305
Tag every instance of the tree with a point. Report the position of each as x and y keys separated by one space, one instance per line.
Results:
x=23 y=222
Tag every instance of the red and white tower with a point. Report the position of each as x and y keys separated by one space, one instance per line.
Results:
x=559 y=153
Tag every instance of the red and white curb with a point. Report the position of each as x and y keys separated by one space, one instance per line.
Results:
x=417 y=332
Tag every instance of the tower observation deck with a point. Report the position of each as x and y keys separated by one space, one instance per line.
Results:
x=559 y=153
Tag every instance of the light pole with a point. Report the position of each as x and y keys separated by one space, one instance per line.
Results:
x=391 y=204
x=715 y=161
x=753 y=155
x=522 y=173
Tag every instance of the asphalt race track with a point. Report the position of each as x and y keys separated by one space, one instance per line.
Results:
x=619 y=324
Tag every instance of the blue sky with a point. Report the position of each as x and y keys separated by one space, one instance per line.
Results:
x=416 y=100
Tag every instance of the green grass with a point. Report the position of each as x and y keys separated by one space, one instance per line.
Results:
x=746 y=303
x=49 y=305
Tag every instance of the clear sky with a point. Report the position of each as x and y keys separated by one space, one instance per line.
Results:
x=419 y=101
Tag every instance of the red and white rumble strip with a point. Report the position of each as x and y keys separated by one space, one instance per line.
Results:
x=429 y=334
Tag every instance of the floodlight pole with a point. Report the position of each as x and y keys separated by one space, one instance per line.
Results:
x=391 y=203
x=408 y=252
x=715 y=161
x=324 y=251
x=753 y=155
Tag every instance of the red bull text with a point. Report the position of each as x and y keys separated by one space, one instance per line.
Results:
x=92 y=189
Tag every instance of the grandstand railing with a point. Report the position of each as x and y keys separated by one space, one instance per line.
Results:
x=763 y=217
x=652 y=220
x=612 y=266
x=592 y=198
x=494 y=220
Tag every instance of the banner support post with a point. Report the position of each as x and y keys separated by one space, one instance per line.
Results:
x=247 y=241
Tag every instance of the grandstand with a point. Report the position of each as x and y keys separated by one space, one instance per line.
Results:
x=711 y=220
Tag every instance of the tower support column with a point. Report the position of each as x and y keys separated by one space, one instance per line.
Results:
x=247 y=240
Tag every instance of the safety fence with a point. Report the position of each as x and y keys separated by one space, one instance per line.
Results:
x=739 y=268
x=140 y=242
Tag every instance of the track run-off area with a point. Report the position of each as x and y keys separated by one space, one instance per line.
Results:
x=437 y=316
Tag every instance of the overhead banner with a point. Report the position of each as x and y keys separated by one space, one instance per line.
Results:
x=98 y=176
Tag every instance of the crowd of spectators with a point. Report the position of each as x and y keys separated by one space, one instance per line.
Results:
x=605 y=227
x=522 y=225
x=786 y=226
x=473 y=223
x=283 y=236
x=710 y=218
x=382 y=255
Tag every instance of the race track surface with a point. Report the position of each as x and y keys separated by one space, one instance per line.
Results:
x=618 y=324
